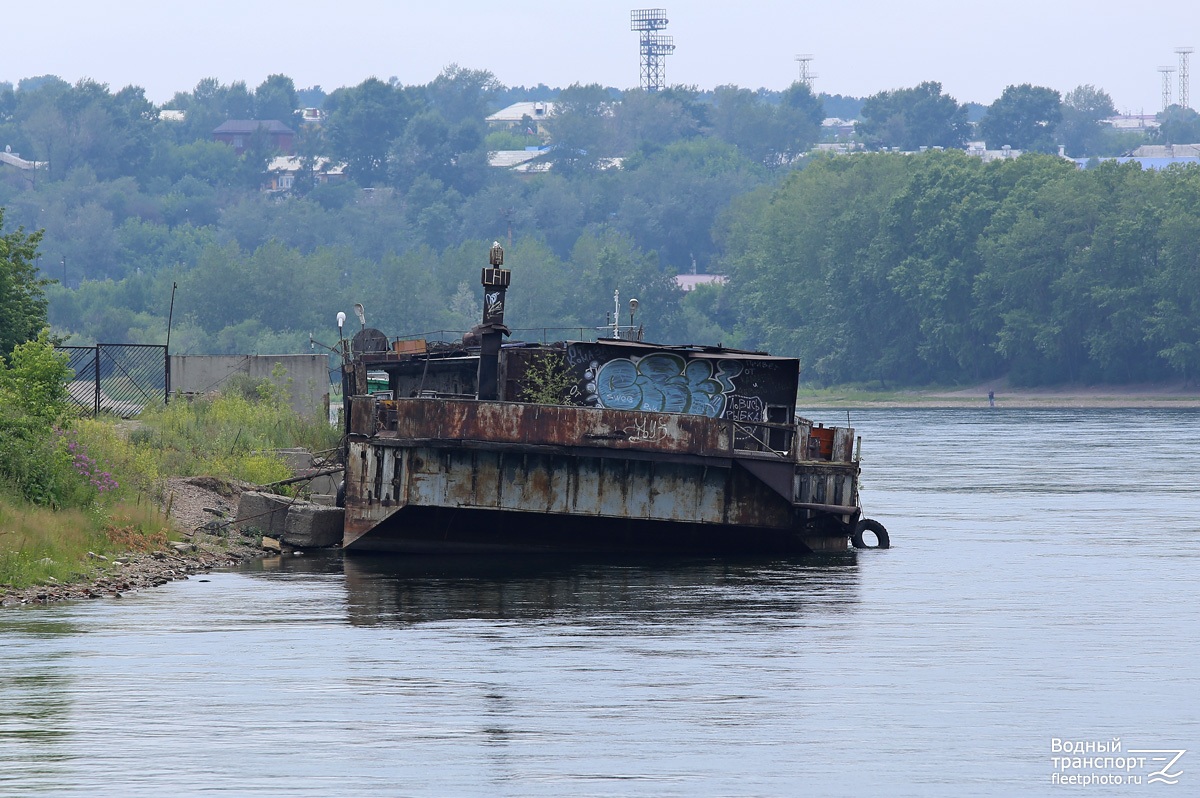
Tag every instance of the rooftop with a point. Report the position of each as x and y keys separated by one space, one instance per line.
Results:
x=518 y=111
x=293 y=163
x=251 y=126
x=509 y=159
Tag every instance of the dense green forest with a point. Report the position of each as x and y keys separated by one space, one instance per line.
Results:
x=889 y=267
x=939 y=267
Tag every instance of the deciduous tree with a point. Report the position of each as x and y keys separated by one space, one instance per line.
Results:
x=1084 y=110
x=1025 y=117
x=364 y=120
x=922 y=116
x=582 y=128
x=22 y=289
x=275 y=98
x=1178 y=126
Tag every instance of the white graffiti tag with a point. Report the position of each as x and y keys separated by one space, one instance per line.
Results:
x=647 y=430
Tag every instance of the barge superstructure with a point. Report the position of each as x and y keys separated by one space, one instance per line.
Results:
x=611 y=445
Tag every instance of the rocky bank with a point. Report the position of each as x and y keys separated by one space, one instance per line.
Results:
x=200 y=509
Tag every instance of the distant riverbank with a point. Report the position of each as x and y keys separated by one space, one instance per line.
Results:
x=1173 y=395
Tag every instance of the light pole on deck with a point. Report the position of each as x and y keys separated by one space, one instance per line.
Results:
x=495 y=280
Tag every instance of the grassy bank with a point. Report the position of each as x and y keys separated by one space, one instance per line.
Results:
x=76 y=491
x=39 y=545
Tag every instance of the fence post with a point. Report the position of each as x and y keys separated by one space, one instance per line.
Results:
x=96 y=401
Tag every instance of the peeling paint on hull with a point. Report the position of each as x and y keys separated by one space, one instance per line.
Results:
x=436 y=476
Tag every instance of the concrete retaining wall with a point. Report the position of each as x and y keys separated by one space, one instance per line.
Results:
x=309 y=376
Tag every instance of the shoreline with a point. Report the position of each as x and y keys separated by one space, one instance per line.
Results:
x=193 y=502
x=1130 y=397
x=190 y=503
x=134 y=572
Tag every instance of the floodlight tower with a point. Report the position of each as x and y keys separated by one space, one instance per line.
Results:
x=1166 y=85
x=806 y=77
x=1184 y=76
x=655 y=47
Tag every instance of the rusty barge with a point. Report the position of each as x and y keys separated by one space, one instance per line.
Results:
x=612 y=445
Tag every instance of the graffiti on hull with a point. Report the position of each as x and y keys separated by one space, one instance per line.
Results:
x=662 y=383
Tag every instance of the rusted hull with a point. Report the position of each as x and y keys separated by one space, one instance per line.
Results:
x=433 y=486
x=630 y=446
x=521 y=424
x=447 y=531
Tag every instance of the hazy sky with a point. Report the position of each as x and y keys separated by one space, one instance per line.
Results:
x=973 y=48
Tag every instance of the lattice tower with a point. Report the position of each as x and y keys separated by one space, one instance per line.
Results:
x=655 y=47
x=1185 y=78
x=806 y=76
x=1166 y=85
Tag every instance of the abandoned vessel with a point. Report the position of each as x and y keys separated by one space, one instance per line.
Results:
x=611 y=445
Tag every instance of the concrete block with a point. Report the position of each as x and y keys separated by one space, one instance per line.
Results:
x=298 y=460
x=311 y=526
x=264 y=512
x=326 y=483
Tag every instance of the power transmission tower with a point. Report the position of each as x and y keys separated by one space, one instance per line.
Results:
x=655 y=47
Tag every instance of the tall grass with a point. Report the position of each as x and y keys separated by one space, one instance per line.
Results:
x=40 y=546
x=73 y=486
x=228 y=435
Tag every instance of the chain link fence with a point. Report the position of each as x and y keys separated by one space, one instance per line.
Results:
x=122 y=379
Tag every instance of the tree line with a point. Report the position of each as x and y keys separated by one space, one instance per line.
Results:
x=942 y=268
x=637 y=187
x=133 y=204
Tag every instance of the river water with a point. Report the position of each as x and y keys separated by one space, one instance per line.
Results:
x=1042 y=587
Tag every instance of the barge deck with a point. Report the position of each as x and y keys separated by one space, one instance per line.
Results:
x=642 y=448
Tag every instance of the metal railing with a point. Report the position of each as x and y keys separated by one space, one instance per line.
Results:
x=545 y=335
x=762 y=436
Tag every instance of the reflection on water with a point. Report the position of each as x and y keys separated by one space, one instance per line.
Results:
x=1042 y=583
x=35 y=699
x=400 y=589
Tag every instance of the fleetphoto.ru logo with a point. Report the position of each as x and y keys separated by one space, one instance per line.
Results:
x=1102 y=762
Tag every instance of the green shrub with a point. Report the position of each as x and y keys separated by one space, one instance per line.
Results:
x=548 y=380
x=37 y=461
x=35 y=381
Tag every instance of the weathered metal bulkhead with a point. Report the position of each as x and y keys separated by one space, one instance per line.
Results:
x=629 y=446
x=503 y=474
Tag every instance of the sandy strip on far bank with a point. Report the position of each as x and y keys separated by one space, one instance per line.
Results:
x=1167 y=396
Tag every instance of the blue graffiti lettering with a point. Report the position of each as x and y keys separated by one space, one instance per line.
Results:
x=665 y=383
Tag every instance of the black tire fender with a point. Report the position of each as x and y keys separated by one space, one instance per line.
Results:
x=873 y=526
